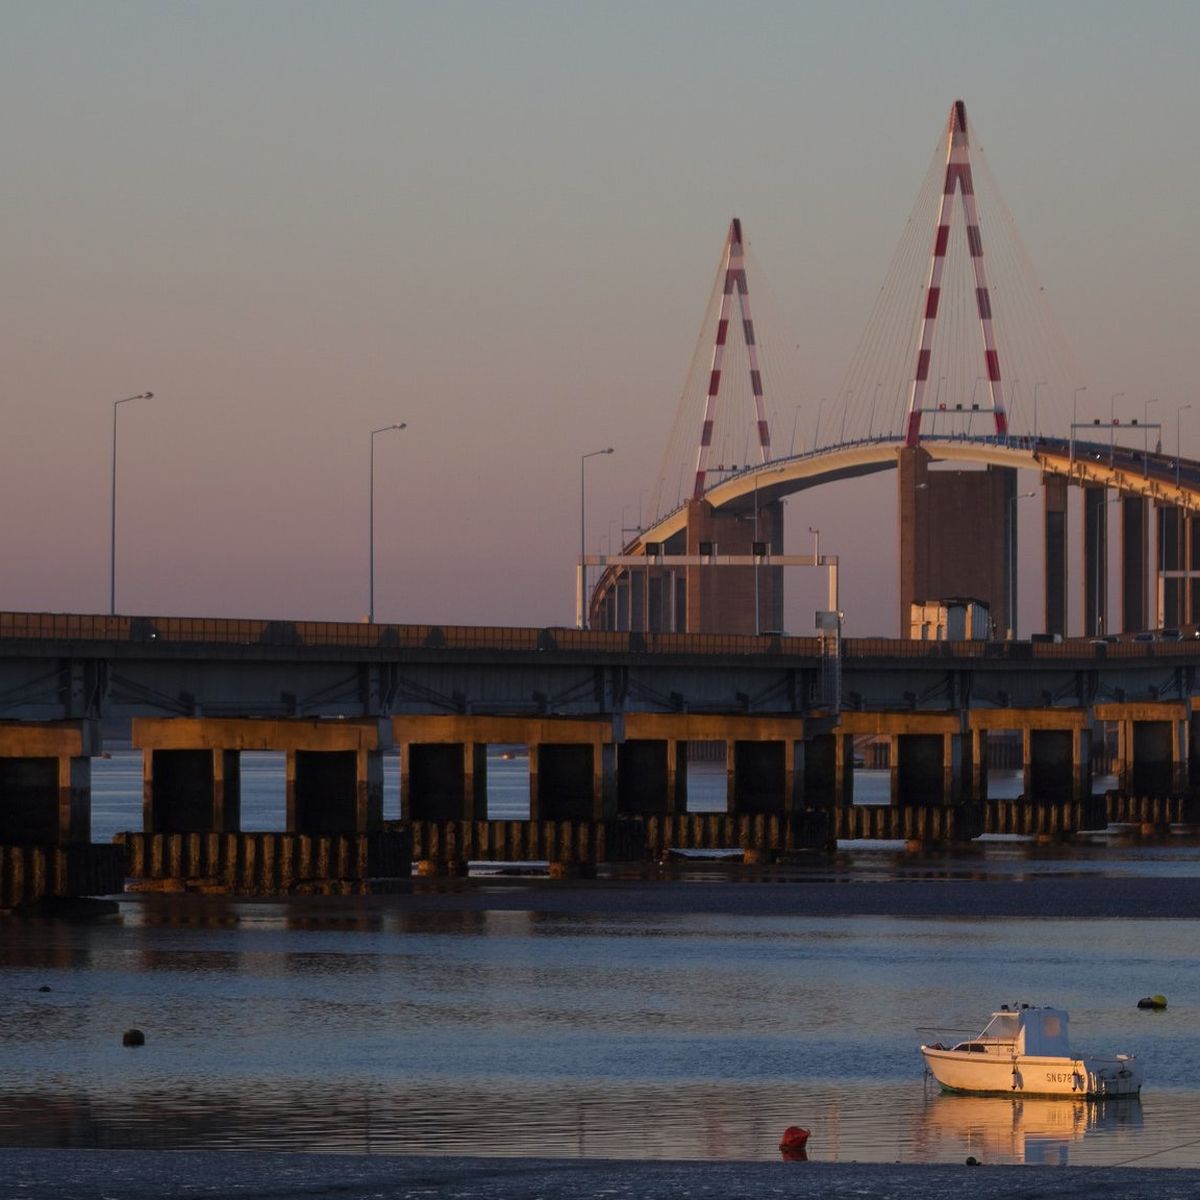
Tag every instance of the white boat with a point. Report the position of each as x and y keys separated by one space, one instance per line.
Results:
x=1026 y=1051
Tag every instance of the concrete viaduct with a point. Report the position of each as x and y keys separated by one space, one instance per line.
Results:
x=606 y=717
x=956 y=528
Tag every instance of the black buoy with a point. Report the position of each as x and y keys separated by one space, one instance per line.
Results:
x=972 y=1161
x=1156 y=1002
x=133 y=1037
x=44 y=988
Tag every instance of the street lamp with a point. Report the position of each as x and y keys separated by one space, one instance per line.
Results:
x=871 y=422
x=112 y=536
x=1075 y=418
x=371 y=521
x=1038 y=384
x=1012 y=562
x=1146 y=436
x=1112 y=424
x=582 y=531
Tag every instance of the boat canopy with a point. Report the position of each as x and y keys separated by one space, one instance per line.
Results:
x=1037 y=1031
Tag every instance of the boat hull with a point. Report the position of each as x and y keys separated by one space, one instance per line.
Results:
x=1031 y=1075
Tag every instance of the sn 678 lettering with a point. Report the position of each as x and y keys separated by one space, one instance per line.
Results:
x=1059 y=1076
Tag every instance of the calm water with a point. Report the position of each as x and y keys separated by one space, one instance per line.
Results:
x=280 y=1025
x=357 y=1027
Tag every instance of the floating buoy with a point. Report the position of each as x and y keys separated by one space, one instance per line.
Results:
x=792 y=1143
x=133 y=1037
x=44 y=988
x=972 y=1161
x=1156 y=1001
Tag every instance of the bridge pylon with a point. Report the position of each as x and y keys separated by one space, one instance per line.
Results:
x=959 y=179
x=733 y=264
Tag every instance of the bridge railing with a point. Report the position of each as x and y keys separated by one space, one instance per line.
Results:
x=77 y=627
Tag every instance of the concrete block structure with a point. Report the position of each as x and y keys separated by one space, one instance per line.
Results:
x=334 y=772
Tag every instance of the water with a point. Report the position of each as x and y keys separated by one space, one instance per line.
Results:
x=117 y=789
x=361 y=1027
x=371 y=1026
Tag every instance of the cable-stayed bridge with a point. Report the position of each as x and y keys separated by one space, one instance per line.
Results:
x=960 y=381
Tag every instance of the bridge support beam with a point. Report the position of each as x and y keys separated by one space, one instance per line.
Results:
x=1135 y=563
x=45 y=781
x=444 y=781
x=1152 y=745
x=1055 y=491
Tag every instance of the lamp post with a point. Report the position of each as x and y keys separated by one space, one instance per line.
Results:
x=371 y=521
x=1075 y=419
x=871 y=422
x=817 y=427
x=1012 y=562
x=1146 y=436
x=1112 y=424
x=583 y=530
x=1178 y=445
x=112 y=535
x=1038 y=384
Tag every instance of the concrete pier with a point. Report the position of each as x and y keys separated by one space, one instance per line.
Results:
x=926 y=753
x=1152 y=745
x=191 y=779
x=443 y=773
x=1055 y=745
x=45 y=781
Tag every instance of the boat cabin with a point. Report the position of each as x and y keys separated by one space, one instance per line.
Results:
x=1041 y=1032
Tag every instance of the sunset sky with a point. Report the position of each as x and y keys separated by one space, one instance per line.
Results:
x=296 y=222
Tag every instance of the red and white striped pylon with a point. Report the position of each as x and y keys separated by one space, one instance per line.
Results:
x=734 y=264
x=958 y=175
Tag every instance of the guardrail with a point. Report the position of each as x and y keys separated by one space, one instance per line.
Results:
x=75 y=627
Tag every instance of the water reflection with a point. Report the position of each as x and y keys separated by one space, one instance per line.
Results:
x=997 y=1129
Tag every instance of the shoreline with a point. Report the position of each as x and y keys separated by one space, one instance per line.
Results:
x=167 y=1175
x=1083 y=896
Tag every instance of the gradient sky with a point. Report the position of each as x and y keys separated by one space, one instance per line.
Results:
x=499 y=222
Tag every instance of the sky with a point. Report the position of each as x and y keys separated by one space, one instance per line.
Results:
x=297 y=222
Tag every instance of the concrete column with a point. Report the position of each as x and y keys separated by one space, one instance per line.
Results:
x=191 y=791
x=1081 y=750
x=334 y=791
x=565 y=783
x=652 y=776
x=444 y=781
x=1170 y=558
x=979 y=764
x=922 y=775
x=894 y=767
x=844 y=748
x=1095 y=561
x=1051 y=764
x=796 y=800
x=820 y=770
x=1054 y=493
x=760 y=777
x=1135 y=563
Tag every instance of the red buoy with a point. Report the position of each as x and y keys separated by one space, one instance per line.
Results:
x=792 y=1143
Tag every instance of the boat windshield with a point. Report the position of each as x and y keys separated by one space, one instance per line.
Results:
x=1003 y=1027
